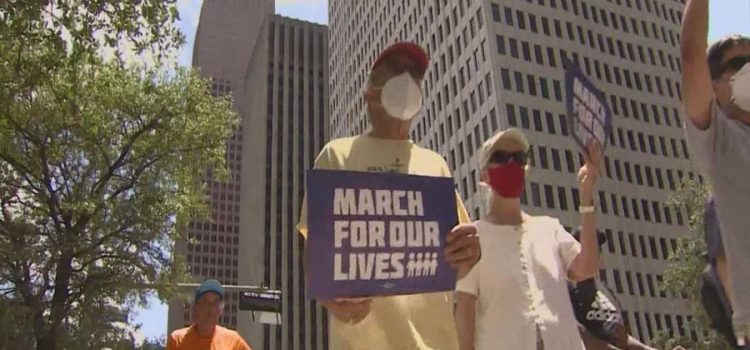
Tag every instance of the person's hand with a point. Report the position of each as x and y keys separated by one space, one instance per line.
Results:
x=592 y=342
x=462 y=249
x=350 y=311
x=635 y=344
x=742 y=333
x=589 y=172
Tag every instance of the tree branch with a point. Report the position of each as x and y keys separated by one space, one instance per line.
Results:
x=23 y=170
x=125 y=187
x=120 y=161
x=80 y=253
x=112 y=256
x=52 y=201
x=61 y=295
x=66 y=178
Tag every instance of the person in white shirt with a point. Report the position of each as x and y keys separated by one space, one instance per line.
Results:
x=516 y=297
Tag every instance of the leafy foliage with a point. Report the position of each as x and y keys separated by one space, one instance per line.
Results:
x=99 y=159
x=683 y=274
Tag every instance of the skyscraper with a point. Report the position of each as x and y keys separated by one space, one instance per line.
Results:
x=228 y=36
x=275 y=70
x=497 y=64
x=286 y=141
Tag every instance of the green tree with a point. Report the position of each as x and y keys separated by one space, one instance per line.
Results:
x=154 y=344
x=683 y=273
x=100 y=157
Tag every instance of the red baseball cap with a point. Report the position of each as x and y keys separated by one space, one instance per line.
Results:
x=412 y=50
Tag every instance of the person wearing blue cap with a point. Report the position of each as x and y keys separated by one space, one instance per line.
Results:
x=205 y=332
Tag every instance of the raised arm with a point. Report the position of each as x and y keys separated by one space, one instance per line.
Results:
x=586 y=264
x=697 y=85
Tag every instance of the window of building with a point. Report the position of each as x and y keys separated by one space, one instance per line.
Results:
x=508 y=16
x=639 y=280
x=569 y=161
x=642 y=241
x=550 y=121
x=556 y=159
x=519 y=82
x=618 y=281
x=524 y=116
x=510 y=110
x=633 y=248
x=629 y=282
x=549 y=197
x=505 y=77
x=615 y=207
x=536 y=198
x=610 y=241
x=495 y=12
x=621 y=240
x=562 y=198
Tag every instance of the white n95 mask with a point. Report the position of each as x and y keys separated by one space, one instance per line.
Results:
x=740 y=83
x=401 y=97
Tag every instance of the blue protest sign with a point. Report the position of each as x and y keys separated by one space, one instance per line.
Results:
x=589 y=116
x=376 y=234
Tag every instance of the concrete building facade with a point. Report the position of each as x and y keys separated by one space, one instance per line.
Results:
x=227 y=37
x=286 y=142
x=497 y=64
x=275 y=70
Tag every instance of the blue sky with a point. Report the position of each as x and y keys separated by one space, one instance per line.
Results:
x=725 y=19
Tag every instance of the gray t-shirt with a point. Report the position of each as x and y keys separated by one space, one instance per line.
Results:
x=714 y=247
x=722 y=155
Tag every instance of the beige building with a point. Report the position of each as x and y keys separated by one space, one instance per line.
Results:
x=497 y=64
x=286 y=141
x=275 y=69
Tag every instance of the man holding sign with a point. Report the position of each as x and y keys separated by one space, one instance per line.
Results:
x=417 y=321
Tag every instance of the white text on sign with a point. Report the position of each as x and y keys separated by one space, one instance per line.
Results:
x=368 y=234
x=586 y=106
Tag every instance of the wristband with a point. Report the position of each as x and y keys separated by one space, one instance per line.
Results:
x=586 y=209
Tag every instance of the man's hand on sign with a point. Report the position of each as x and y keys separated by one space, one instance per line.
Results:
x=589 y=172
x=462 y=249
x=350 y=311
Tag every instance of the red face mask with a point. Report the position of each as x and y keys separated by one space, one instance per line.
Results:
x=507 y=179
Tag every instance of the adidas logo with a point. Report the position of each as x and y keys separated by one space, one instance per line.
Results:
x=603 y=315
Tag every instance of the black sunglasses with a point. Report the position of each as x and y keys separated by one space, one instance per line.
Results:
x=395 y=67
x=500 y=157
x=733 y=64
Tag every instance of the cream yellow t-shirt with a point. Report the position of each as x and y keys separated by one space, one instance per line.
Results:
x=406 y=322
